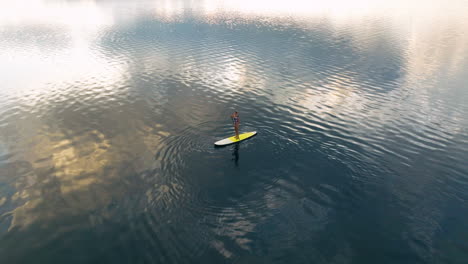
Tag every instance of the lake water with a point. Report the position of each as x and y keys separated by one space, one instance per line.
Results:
x=109 y=111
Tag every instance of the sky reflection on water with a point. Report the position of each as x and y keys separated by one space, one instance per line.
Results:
x=108 y=112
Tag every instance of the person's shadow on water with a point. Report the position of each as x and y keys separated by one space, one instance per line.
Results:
x=235 y=154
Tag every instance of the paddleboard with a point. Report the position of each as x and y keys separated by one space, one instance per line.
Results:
x=232 y=140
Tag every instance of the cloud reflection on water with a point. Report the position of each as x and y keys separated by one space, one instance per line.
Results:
x=84 y=21
x=61 y=164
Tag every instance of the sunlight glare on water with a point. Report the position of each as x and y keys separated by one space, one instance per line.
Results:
x=109 y=111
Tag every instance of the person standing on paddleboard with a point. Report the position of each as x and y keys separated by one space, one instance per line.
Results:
x=236 y=122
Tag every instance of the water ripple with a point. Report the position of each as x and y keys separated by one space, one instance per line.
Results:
x=109 y=111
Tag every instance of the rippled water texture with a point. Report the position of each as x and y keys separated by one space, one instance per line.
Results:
x=109 y=111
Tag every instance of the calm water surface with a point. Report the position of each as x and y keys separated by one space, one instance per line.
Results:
x=109 y=111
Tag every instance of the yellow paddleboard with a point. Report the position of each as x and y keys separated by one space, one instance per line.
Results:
x=232 y=140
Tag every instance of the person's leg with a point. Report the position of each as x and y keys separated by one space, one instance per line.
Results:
x=236 y=128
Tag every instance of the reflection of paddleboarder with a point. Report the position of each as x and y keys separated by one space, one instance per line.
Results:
x=236 y=122
x=235 y=154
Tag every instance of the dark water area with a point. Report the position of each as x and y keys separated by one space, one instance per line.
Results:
x=109 y=111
